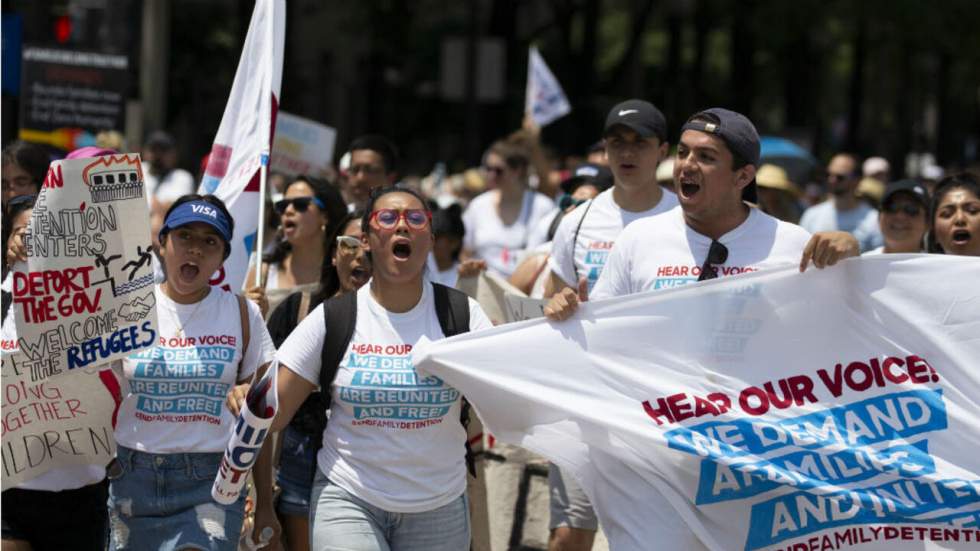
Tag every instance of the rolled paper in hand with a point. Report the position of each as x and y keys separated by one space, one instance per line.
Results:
x=251 y=429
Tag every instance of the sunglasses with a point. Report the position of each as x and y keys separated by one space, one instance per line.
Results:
x=717 y=254
x=910 y=209
x=387 y=219
x=495 y=170
x=348 y=243
x=300 y=204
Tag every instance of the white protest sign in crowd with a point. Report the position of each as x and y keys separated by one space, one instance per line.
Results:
x=832 y=409
x=83 y=299
x=301 y=146
x=56 y=422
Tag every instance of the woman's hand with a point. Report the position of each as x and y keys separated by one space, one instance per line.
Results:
x=265 y=520
x=236 y=398
x=16 y=252
x=470 y=268
x=257 y=295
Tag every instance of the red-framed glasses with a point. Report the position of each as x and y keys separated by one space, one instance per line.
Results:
x=387 y=219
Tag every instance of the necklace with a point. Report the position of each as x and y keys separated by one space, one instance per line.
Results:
x=187 y=321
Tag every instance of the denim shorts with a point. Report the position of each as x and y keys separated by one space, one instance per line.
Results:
x=340 y=521
x=162 y=502
x=297 y=463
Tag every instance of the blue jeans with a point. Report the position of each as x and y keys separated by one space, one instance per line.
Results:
x=340 y=521
x=296 y=465
x=162 y=502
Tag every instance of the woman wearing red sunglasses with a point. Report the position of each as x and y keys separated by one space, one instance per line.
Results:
x=309 y=213
x=391 y=473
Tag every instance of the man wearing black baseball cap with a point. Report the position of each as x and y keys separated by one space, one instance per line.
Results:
x=714 y=233
x=635 y=137
x=904 y=217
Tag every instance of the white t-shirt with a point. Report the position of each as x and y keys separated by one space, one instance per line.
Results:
x=662 y=252
x=539 y=233
x=861 y=222
x=172 y=186
x=176 y=396
x=502 y=246
x=394 y=438
x=446 y=277
x=58 y=479
x=872 y=252
x=604 y=222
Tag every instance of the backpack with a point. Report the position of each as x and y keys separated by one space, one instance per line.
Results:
x=340 y=318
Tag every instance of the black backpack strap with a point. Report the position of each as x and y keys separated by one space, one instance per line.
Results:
x=453 y=311
x=339 y=319
x=575 y=240
x=8 y=298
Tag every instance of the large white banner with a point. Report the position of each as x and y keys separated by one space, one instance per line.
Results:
x=834 y=409
x=244 y=137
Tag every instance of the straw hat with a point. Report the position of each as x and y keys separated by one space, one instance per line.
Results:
x=871 y=188
x=774 y=177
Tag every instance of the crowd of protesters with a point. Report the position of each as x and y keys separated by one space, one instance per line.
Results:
x=390 y=245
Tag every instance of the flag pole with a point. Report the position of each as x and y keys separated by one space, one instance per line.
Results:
x=260 y=236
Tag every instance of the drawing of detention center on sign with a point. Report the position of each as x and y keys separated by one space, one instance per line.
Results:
x=85 y=295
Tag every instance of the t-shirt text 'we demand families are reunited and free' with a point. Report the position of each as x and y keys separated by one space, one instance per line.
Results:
x=856 y=470
x=386 y=391
x=183 y=379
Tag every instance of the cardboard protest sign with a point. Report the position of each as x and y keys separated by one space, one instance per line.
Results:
x=520 y=308
x=834 y=409
x=251 y=430
x=489 y=290
x=56 y=422
x=301 y=146
x=85 y=296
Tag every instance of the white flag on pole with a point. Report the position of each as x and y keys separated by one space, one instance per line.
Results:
x=545 y=100
x=834 y=409
x=244 y=138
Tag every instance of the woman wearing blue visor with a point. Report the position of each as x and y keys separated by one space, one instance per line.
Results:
x=173 y=425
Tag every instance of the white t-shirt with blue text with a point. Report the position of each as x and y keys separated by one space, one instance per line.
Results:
x=662 y=252
x=177 y=389
x=586 y=255
x=394 y=438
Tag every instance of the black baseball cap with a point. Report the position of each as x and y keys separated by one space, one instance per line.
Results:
x=739 y=135
x=588 y=173
x=912 y=187
x=640 y=116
